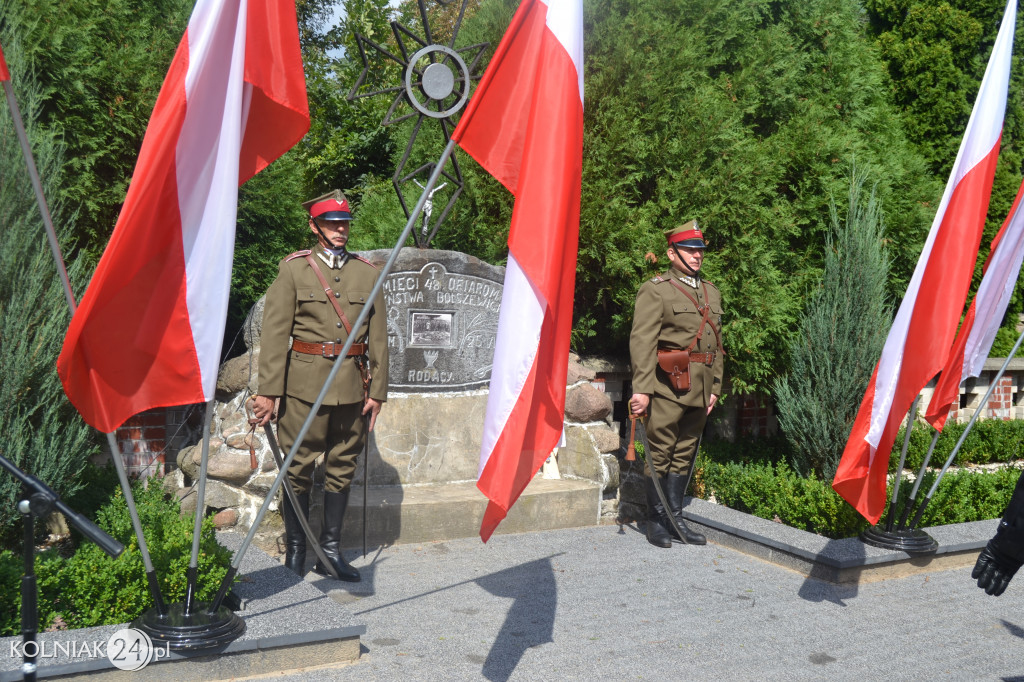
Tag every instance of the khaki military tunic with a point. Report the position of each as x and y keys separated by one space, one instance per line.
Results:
x=666 y=318
x=297 y=307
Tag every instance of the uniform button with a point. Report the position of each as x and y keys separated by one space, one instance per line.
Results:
x=339 y=325
x=337 y=340
x=337 y=294
x=337 y=279
x=311 y=294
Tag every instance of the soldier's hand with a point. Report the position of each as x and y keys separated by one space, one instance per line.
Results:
x=711 y=403
x=263 y=409
x=373 y=407
x=639 y=402
x=994 y=570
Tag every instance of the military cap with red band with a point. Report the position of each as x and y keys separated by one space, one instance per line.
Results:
x=331 y=206
x=687 y=234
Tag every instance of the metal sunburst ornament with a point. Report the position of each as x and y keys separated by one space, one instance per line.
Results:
x=435 y=83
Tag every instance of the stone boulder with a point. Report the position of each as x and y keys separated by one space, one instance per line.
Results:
x=585 y=404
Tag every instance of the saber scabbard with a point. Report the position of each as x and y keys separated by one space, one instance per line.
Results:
x=287 y=486
x=641 y=431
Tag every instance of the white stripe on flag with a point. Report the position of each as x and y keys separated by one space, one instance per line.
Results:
x=518 y=338
x=206 y=164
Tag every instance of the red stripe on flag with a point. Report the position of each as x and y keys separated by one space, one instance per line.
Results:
x=525 y=127
x=129 y=338
x=947 y=389
x=142 y=338
x=5 y=75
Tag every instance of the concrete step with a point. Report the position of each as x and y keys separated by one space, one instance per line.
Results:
x=425 y=513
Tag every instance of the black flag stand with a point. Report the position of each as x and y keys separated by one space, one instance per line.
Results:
x=189 y=625
x=912 y=541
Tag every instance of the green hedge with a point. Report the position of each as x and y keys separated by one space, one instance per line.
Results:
x=990 y=441
x=89 y=588
x=776 y=492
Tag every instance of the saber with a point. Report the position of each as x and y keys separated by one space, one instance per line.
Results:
x=366 y=477
x=642 y=431
x=293 y=500
x=693 y=464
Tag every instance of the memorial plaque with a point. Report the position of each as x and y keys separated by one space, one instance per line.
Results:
x=442 y=319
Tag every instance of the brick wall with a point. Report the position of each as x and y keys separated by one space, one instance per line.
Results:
x=150 y=441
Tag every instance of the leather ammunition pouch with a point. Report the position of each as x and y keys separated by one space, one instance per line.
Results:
x=676 y=363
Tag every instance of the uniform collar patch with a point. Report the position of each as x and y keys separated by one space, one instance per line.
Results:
x=692 y=281
x=333 y=259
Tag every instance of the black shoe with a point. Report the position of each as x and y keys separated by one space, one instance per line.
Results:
x=330 y=538
x=294 y=537
x=675 y=486
x=657 y=535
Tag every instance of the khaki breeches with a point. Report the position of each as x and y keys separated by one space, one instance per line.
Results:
x=337 y=430
x=673 y=431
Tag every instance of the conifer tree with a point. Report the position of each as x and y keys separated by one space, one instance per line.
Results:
x=39 y=429
x=842 y=331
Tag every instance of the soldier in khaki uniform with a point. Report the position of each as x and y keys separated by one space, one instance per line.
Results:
x=302 y=333
x=670 y=315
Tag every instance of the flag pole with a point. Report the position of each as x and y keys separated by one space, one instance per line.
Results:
x=58 y=259
x=963 y=436
x=903 y=460
x=917 y=482
x=37 y=186
x=363 y=315
x=197 y=528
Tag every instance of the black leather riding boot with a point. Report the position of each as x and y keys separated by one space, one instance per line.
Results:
x=294 y=538
x=676 y=492
x=330 y=537
x=656 y=519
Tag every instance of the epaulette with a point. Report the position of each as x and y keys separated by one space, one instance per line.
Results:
x=298 y=254
x=658 y=278
x=358 y=257
x=711 y=285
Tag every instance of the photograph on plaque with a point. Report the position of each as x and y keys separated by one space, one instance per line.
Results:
x=431 y=329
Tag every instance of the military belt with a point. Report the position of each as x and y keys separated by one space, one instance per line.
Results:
x=705 y=358
x=327 y=350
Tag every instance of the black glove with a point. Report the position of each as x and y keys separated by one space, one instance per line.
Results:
x=1004 y=553
x=994 y=569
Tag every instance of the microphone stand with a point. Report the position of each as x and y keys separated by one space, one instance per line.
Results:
x=39 y=501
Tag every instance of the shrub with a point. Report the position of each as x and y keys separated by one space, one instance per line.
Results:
x=776 y=492
x=841 y=334
x=90 y=588
x=990 y=441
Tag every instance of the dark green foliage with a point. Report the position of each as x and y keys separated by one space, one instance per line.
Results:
x=965 y=496
x=990 y=441
x=100 y=65
x=842 y=331
x=936 y=52
x=744 y=115
x=39 y=430
x=776 y=492
x=90 y=588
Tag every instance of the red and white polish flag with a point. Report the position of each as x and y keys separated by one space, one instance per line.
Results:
x=978 y=330
x=149 y=329
x=926 y=321
x=524 y=125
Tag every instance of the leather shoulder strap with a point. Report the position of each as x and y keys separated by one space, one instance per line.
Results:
x=329 y=292
x=298 y=254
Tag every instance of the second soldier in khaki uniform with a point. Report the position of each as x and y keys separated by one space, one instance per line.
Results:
x=301 y=337
x=670 y=315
